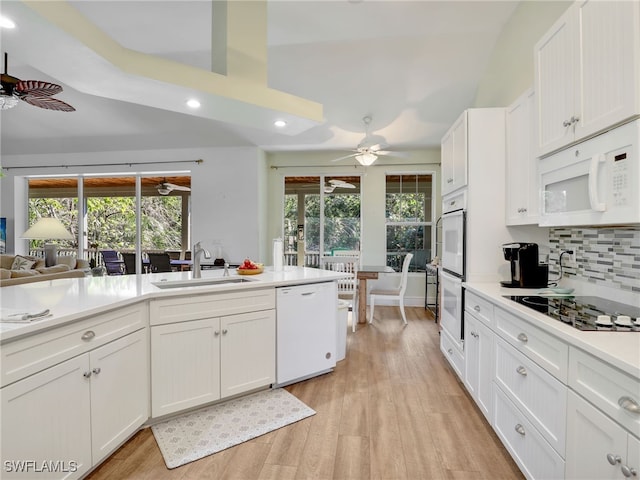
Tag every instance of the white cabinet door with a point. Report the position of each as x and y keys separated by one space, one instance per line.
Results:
x=587 y=69
x=119 y=391
x=46 y=418
x=632 y=463
x=592 y=441
x=185 y=365
x=247 y=352
x=479 y=364
x=521 y=165
x=454 y=156
x=555 y=86
x=608 y=64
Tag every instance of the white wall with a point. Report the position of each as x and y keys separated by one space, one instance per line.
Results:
x=227 y=191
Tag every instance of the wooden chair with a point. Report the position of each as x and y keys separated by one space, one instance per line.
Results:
x=394 y=293
x=112 y=262
x=347 y=287
x=160 y=262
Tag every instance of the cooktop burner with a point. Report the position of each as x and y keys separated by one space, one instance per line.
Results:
x=585 y=313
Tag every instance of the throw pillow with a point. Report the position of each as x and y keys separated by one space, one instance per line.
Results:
x=4 y=273
x=53 y=269
x=21 y=263
x=67 y=260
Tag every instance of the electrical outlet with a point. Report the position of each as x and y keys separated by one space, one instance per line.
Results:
x=571 y=256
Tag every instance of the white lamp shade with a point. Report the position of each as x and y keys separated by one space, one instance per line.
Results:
x=48 y=229
x=366 y=159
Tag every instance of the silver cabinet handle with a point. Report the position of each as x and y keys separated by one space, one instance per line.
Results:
x=86 y=374
x=628 y=471
x=520 y=429
x=88 y=335
x=566 y=123
x=225 y=331
x=522 y=371
x=575 y=119
x=474 y=334
x=449 y=180
x=613 y=459
x=477 y=308
x=629 y=404
x=96 y=370
x=450 y=352
x=216 y=333
x=523 y=337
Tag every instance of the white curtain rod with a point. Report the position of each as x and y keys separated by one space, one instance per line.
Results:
x=198 y=161
x=276 y=167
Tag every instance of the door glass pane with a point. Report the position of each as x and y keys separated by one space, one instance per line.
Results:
x=302 y=220
x=341 y=214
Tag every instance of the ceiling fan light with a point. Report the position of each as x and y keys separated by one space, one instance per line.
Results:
x=164 y=191
x=366 y=159
x=8 y=101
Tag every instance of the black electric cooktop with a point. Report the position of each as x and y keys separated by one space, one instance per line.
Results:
x=583 y=312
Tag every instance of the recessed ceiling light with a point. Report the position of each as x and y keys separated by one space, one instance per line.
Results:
x=6 y=22
x=193 y=103
x=280 y=123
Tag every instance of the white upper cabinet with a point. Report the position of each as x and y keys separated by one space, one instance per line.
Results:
x=587 y=72
x=522 y=190
x=454 y=156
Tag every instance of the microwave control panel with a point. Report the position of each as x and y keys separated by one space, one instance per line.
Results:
x=620 y=178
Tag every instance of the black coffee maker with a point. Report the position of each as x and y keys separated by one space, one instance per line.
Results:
x=526 y=271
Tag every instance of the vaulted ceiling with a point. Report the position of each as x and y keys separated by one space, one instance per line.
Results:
x=128 y=66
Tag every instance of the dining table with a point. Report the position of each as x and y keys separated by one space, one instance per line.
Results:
x=367 y=272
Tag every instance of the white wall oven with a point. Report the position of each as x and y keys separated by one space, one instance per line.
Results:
x=594 y=182
x=453 y=242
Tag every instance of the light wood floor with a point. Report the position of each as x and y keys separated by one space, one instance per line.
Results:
x=393 y=409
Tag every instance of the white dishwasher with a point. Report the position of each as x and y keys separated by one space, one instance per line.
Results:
x=306 y=331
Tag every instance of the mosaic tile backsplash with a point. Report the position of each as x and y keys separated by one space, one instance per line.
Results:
x=606 y=256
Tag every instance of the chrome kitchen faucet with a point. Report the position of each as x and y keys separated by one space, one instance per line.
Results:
x=197 y=250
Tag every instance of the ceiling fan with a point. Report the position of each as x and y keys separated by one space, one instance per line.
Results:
x=332 y=184
x=370 y=147
x=34 y=92
x=165 y=188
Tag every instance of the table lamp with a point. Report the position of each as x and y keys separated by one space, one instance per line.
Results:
x=48 y=229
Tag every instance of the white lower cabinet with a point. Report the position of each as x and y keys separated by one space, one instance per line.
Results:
x=59 y=422
x=479 y=360
x=533 y=454
x=200 y=361
x=597 y=447
x=536 y=393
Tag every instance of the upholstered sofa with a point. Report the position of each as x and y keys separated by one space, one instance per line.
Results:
x=32 y=269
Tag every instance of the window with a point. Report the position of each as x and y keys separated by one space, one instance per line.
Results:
x=409 y=219
x=321 y=215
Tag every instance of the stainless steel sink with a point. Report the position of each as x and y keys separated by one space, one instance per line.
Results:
x=198 y=282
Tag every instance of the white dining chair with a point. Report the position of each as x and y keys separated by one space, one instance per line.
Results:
x=393 y=293
x=347 y=287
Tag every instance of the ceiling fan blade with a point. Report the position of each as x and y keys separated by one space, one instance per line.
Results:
x=179 y=187
x=346 y=185
x=47 y=103
x=36 y=87
x=389 y=153
x=345 y=157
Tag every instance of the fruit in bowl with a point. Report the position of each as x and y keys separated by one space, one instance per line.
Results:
x=250 y=268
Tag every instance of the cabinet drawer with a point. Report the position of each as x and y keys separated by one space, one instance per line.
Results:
x=606 y=387
x=456 y=201
x=535 y=457
x=479 y=307
x=182 y=309
x=546 y=350
x=452 y=353
x=32 y=354
x=536 y=393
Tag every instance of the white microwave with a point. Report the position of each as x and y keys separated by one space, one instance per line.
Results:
x=596 y=182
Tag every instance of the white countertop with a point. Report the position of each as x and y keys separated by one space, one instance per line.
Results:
x=72 y=299
x=621 y=349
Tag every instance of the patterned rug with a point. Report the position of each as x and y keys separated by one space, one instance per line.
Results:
x=212 y=429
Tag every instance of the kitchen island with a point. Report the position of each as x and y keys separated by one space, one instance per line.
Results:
x=119 y=352
x=564 y=402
